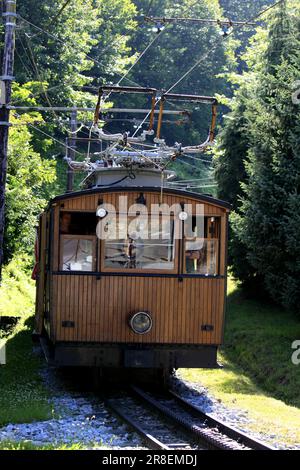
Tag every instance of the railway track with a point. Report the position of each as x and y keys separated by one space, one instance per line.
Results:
x=155 y=431
x=177 y=424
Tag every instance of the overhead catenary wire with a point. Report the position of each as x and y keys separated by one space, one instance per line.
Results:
x=63 y=7
x=55 y=18
x=173 y=86
x=38 y=93
x=43 y=88
x=74 y=44
x=136 y=62
x=205 y=56
x=223 y=38
x=29 y=72
x=48 y=135
x=189 y=164
x=165 y=20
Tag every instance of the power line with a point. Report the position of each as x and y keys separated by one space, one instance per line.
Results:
x=34 y=95
x=50 y=136
x=188 y=164
x=146 y=49
x=75 y=45
x=29 y=72
x=197 y=158
x=164 y=20
x=224 y=37
x=150 y=6
x=41 y=82
x=87 y=109
x=134 y=64
x=51 y=22
x=205 y=56
x=25 y=51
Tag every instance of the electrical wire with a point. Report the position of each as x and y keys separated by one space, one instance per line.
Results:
x=149 y=7
x=25 y=51
x=224 y=38
x=197 y=158
x=29 y=72
x=134 y=64
x=34 y=95
x=48 y=135
x=207 y=55
x=28 y=41
x=52 y=21
x=127 y=72
x=75 y=45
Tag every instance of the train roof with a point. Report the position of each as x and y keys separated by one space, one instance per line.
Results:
x=201 y=197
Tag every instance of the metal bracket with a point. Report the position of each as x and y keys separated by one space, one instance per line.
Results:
x=5 y=123
x=207 y=327
x=68 y=324
x=7 y=13
x=7 y=77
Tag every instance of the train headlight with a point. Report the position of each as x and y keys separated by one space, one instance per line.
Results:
x=101 y=212
x=141 y=322
x=183 y=215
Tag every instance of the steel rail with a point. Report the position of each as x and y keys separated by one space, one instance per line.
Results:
x=216 y=434
x=152 y=441
x=224 y=428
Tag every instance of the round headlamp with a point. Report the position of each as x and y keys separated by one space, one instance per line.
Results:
x=101 y=212
x=183 y=215
x=141 y=322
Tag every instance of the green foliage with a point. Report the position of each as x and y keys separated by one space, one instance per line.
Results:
x=17 y=291
x=98 y=28
x=262 y=152
x=258 y=376
x=27 y=174
x=23 y=397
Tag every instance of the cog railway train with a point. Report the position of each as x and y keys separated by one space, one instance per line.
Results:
x=113 y=297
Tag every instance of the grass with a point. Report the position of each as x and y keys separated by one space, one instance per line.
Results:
x=258 y=375
x=23 y=397
x=26 y=445
x=17 y=290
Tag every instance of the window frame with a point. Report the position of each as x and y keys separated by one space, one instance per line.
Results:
x=127 y=271
x=205 y=239
x=92 y=238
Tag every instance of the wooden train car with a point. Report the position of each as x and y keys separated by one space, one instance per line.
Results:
x=131 y=301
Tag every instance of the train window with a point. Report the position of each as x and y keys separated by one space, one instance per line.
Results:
x=148 y=248
x=77 y=254
x=202 y=253
x=78 y=223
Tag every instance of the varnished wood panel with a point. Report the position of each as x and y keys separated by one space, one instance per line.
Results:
x=91 y=202
x=41 y=275
x=100 y=308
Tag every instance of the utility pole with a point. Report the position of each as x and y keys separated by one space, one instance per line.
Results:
x=71 y=147
x=5 y=86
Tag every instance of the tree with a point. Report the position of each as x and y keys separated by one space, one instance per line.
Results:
x=27 y=175
x=266 y=221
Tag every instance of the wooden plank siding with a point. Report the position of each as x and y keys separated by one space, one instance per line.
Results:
x=41 y=275
x=101 y=308
x=101 y=305
x=90 y=202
